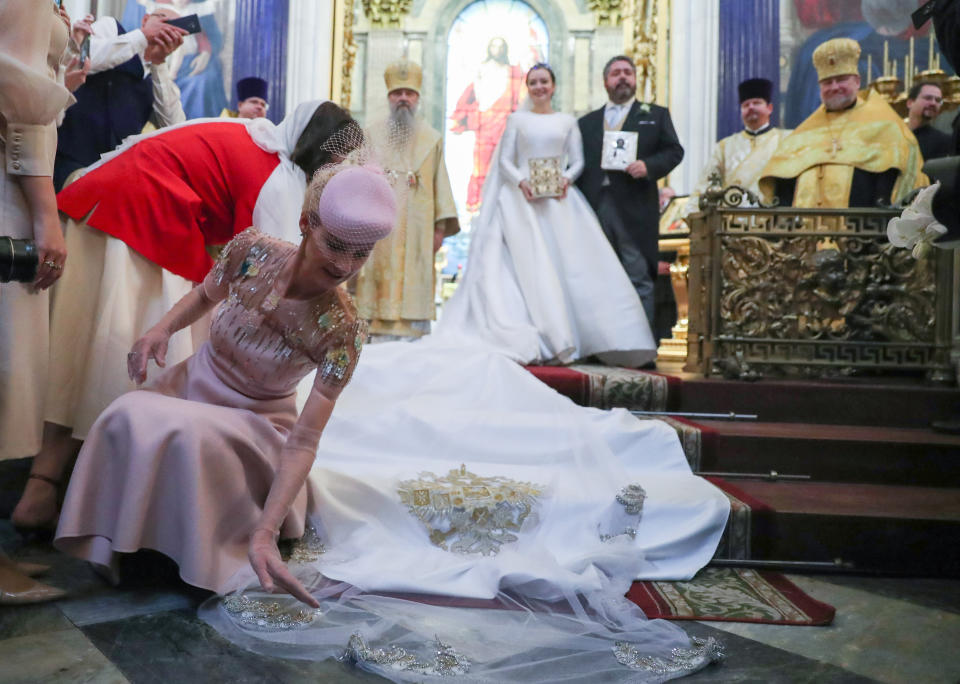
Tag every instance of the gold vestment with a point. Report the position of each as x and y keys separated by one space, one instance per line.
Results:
x=395 y=288
x=823 y=152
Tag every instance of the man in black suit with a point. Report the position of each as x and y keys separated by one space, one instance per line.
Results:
x=626 y=202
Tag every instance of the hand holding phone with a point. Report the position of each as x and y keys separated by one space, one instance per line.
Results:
x=85 y=50
x=189 y=23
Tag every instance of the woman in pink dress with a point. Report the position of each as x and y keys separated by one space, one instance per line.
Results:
x=140 y=221
x=212 y=451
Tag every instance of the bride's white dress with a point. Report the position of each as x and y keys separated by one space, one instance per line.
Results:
x=450 y=472
x=477 y=525
x=542 y=282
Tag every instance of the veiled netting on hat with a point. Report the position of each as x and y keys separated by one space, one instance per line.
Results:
x=351 y=198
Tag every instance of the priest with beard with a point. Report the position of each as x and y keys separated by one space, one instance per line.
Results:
x=853 y=151
x=395 y=289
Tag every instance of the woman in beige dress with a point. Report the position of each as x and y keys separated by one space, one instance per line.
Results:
x=33 y=38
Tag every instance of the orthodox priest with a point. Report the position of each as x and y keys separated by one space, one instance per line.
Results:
x=853 y=151
x=739 y=158
x=395 y=289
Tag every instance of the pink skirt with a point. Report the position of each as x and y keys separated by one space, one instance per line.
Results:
x=182 y=468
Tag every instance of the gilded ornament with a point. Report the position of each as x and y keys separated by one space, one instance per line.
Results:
x=681 y=660
x=447 y=662
x=631 y=498
x=643 y=47
x=467 y=513
x=386 y=13
x=267 y=616
x=348 y=55
x=608 y=12
x=306 y=549
x=812 y=293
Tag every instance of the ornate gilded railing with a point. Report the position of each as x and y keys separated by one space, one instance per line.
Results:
x=812 y=293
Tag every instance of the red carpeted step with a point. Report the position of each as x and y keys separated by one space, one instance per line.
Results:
x=608 y=387
x=886 y=528
x=841 y=453
x=880 y=402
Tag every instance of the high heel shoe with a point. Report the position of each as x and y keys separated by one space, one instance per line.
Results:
x=43 y=531
x=17 y=589
x=31 y=569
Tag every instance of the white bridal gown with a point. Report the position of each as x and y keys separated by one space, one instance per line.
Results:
x=542 y=283
x=475 y=524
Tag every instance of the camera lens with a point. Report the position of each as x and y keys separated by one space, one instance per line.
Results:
x=18 y=260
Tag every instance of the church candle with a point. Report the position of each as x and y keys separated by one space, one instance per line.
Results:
x=912 y=59
x=930 y=53
x=886 y=56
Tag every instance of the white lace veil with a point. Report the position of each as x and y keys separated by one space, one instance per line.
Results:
x=549 y=620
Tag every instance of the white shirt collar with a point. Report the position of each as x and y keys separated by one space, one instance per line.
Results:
x=616 y=107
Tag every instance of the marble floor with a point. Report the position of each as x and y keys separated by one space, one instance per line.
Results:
x=146 y=631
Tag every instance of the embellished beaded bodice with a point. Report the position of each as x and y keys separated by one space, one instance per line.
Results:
x=265 y=343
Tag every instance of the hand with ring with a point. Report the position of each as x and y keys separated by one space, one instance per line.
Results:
x=51 y=251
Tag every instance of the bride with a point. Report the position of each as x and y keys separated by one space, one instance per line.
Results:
x=543 y=284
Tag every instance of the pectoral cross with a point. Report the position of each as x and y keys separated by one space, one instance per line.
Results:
x=836 y=147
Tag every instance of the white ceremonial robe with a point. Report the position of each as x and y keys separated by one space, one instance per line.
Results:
x=739 y=159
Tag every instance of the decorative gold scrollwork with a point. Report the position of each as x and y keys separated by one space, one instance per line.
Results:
x=467 y=513
x=643 y=47
x=732 y=196
x=608 y=12
x=349 y=55
x=812 y=293
x=386 y=13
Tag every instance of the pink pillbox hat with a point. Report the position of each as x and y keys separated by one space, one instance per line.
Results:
x=358 y=206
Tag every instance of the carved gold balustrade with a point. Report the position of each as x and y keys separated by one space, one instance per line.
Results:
x=813 y=293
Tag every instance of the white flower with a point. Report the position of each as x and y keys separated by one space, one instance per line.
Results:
x=645 y=108
x=916 y=227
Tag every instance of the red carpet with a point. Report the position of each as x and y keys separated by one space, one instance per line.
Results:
x=732 y=595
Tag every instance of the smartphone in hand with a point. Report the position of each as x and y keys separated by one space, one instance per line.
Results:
x=84 y=50
x=190 y=23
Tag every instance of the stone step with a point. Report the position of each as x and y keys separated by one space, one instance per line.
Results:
x=833 y=453
x=861 y=527
x=881 y=402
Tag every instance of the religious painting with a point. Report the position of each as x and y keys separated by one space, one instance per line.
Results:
x=891 y=48
x=490 y=47
x=200 y=67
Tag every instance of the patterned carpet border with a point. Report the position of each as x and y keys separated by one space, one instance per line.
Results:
x=732 y=595
x=608 y=387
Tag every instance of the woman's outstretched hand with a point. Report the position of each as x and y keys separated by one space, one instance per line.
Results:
x=153 y=345
x=271 y=570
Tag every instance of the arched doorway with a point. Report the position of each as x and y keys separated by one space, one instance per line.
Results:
x=490 y=46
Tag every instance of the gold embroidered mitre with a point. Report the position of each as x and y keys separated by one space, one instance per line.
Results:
x=837 y=57
x=403 y=74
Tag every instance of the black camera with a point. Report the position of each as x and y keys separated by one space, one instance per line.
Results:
x=18 y=260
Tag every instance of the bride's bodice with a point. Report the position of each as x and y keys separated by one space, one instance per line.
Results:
x=529 y=135
x=263 y=344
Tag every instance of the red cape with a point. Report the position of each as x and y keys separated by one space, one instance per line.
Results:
x=171 y=195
